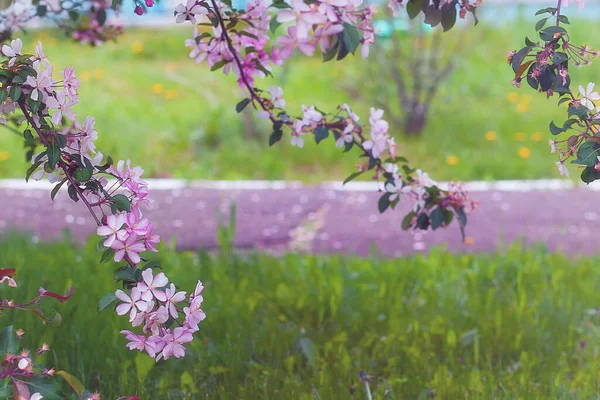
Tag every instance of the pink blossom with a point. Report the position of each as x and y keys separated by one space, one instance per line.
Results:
x=11 y=281
x=140 y=342
x=130 y=304
x=304 y=15
x=138 y=10
x=153 y=283
x=70 y=82
x=112 y=229
x=41 y=84
x=189 y=12
x=174 y=341
x=150 y=239
x=62 y=105
x=130 y=248
x=155 y=319
x=172 y=298
x=13 y=51
x=291 y=41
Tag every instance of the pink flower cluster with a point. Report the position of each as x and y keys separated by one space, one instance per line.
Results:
x=128 y=233
x=152 y=304
x=310 y=26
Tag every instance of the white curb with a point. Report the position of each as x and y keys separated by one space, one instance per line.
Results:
x=174 y=184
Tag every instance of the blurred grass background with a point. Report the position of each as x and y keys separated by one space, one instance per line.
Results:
x=517 y=324
x=177 y=119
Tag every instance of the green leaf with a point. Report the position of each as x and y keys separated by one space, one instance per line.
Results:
x=273 y=25
x=280 y=4
x=72 y=381
x=107 y=255
x=128 y=274
x=106 y=301
x=333 y=50
x=577 y=111
x=9 y=342
x=540 y=24
x=32 y=169
x=555 y=130
x=384 y=202
x=437 y=218
x=563 y=19
x=351 y=38
x=407 y=220
x=353 y=176
x=550 y=32
x=448 y=16
x=413 y=8
x=53 y=153
x=82 y=175
x=547 y=10
x=6 y=392
x=587 y=154
x=242 y=104
x=15 y=92
x=121 y=202
x=448 y=217
x=48 y=388
x=321 y=133
x=56 y=189
x=519 y=57
x=28 y=136
x=462 y=221
x=60 y=141
x=309 y=351
x=218 y=65
x=73 y=193
x=275 y=136
x=589 y=175
x=41 y=11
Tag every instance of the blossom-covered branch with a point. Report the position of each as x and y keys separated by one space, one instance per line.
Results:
x=114 y=194
x=239 y=42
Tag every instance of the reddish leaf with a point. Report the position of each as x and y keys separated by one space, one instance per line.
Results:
x=7 y=272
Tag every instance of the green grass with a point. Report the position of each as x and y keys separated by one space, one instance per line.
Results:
x=197 y=134
x=511 y=325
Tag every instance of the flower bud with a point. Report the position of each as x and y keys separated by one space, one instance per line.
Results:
x=149 y=3
x=139 y=10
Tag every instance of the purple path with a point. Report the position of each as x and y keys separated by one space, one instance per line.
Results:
x=321 y=220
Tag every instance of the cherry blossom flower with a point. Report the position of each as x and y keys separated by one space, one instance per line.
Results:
x=112 y=229
x=588 y=95
x=562 y=168
x=304 y=16
x=70 y=82
x=62 y=105
x=189 y=12
x=580 y=3
x=140 y=342
x=130 y=248
x=277 y=96
x=153 y=283
x=174 y=341
x=131 y=304
x=11 y=281
x=172 y=298
x=288 y=43
x=41 y=84
x=552 y=144
x=13 y=51
x=36 y=396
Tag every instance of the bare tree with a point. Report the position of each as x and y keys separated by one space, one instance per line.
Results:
x=411 y=66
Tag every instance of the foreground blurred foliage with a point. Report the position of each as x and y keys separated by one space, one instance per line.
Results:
x=516 y=324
